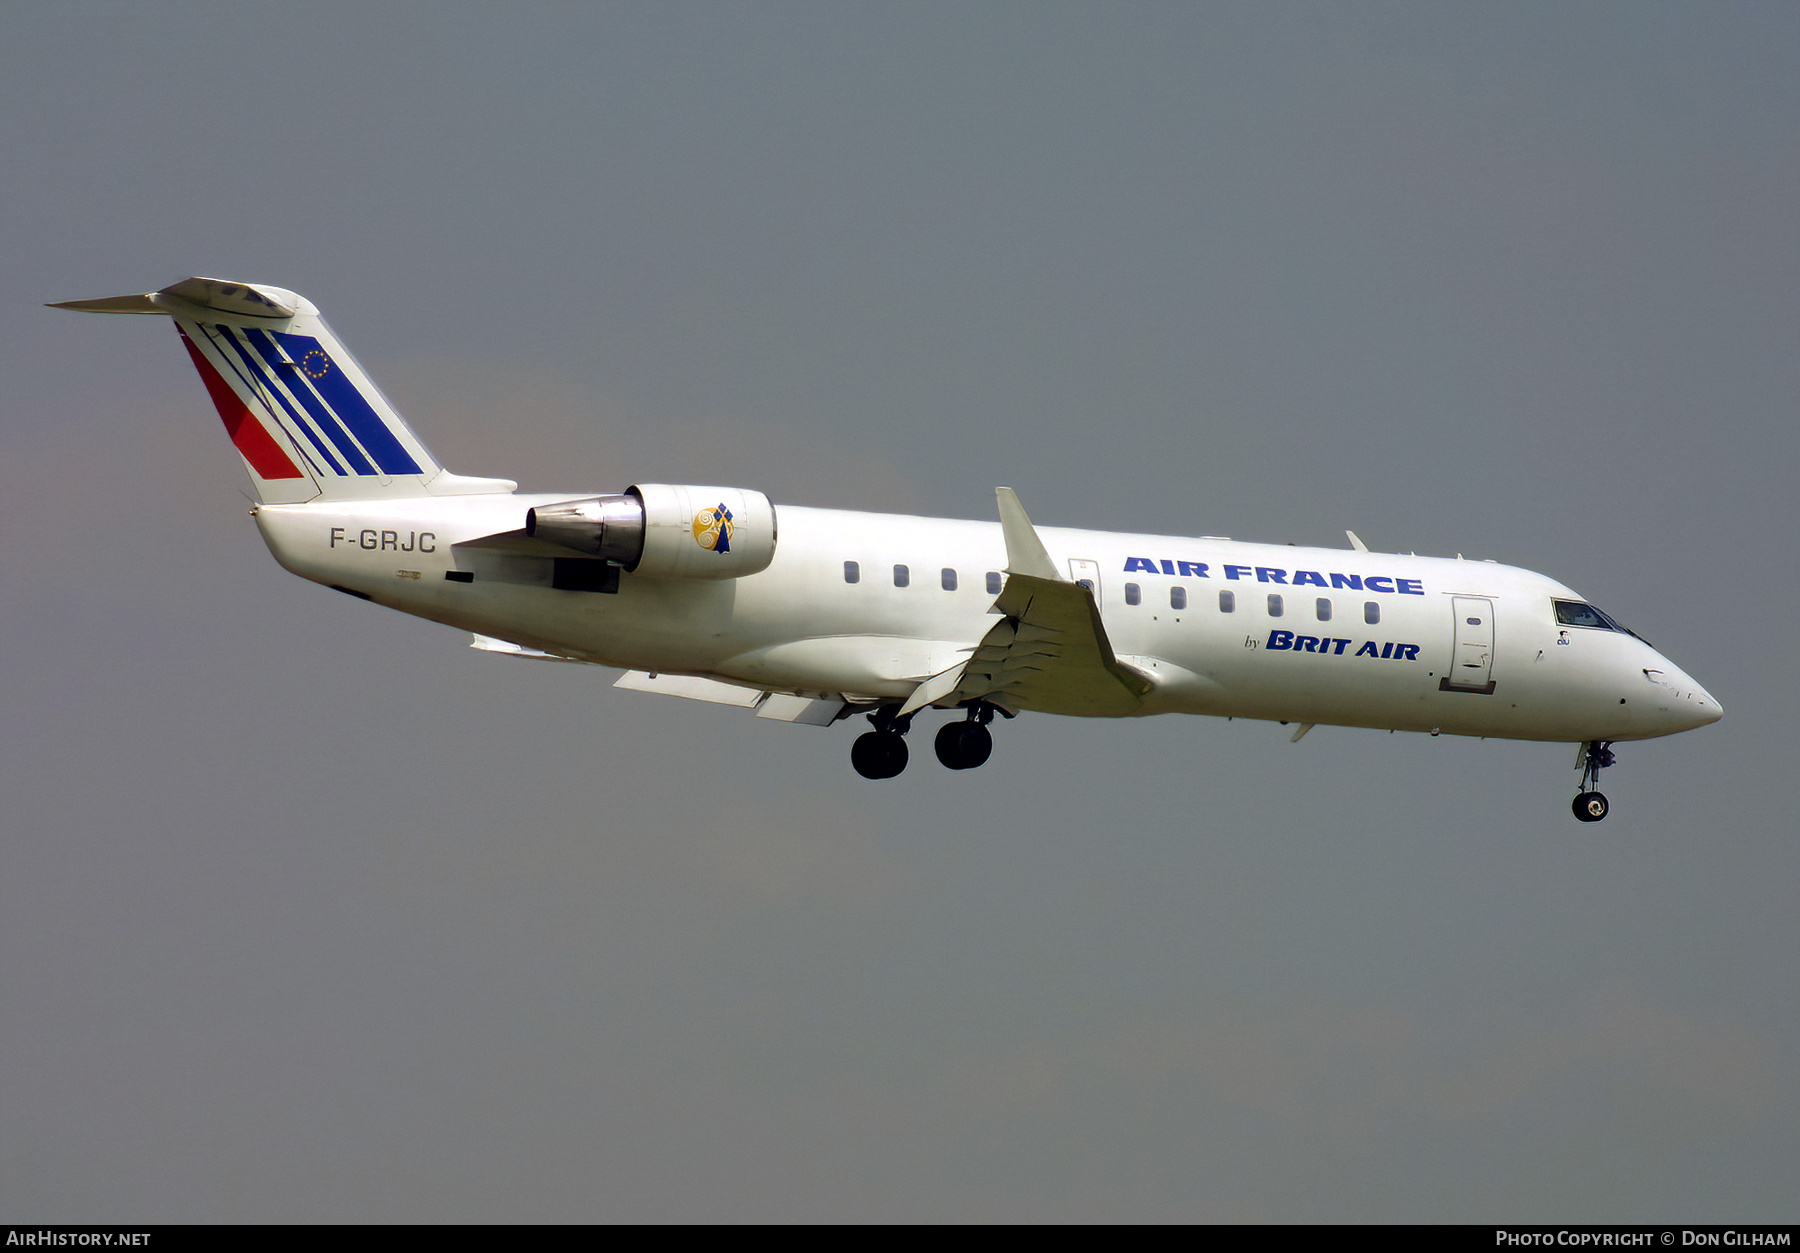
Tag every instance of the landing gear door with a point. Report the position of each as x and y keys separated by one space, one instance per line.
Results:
x=1086 y=573
x=1472 y=650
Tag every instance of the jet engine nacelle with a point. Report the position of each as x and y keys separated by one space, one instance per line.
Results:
x=666 y=531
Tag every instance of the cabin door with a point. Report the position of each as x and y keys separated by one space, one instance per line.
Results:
x=1472 y=654
x=1086 y=572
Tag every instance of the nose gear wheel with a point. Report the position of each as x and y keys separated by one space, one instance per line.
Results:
x=1591 y=805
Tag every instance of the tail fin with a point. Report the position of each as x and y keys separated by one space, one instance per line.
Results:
x=307 y=420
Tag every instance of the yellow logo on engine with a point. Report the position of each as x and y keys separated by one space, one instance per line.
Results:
x=713 y=527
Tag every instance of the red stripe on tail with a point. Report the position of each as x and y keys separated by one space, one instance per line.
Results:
x=255 y=442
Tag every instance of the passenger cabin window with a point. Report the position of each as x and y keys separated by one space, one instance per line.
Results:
x=1227 y=601
x=1322 y=607
x=994 y=581
x=1133 y=594
x=852 y=572
x=901 y=576
x=1274 y=605
x=1178 y=598
x=1371 y=612
x=948 y=579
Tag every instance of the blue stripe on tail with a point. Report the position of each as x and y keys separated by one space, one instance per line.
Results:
x=334 y=430
x=340 y=393
x=222 y=335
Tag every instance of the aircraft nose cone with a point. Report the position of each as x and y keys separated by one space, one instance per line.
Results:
x=1681 y=703
x=1707 y=709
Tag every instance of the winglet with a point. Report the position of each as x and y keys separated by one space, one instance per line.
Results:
x=1356 y=542
x=1024 y=550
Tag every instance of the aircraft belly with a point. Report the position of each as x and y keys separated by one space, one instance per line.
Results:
x=874 y=665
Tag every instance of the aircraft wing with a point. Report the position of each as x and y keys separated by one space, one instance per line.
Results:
x=1049 y=652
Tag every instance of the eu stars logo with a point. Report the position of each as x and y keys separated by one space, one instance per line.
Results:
x=713 y=528
x=316 y=364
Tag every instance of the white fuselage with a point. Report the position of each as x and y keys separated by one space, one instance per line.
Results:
x=1462 y=647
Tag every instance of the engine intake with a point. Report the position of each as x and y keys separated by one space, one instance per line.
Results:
x=666 y=531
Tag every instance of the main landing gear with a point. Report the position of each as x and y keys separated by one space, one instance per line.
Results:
x=882 y=754
x=1591 y=806
x=965 y=745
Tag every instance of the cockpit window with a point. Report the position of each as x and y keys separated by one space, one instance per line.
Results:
x=1574 y=613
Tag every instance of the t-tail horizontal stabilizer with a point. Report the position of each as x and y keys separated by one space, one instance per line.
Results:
x=307 y=420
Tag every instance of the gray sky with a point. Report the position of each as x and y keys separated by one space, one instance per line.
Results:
x=310 y=912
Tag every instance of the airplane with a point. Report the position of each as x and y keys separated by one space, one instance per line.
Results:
x=815 y=616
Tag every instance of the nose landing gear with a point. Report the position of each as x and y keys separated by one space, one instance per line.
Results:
x=1591 y=806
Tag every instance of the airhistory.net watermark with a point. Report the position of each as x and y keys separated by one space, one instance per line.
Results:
x=49 y=1238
